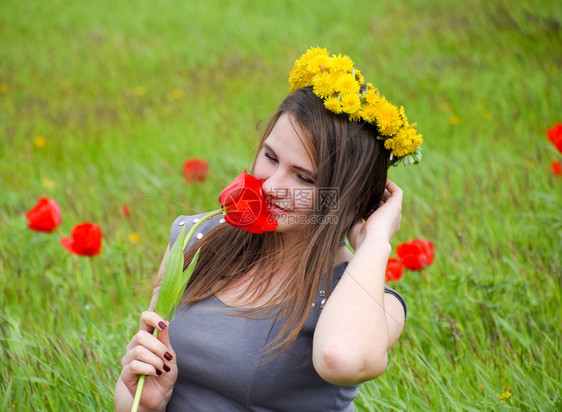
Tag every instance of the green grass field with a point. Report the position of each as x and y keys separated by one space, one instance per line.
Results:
x=124 y=92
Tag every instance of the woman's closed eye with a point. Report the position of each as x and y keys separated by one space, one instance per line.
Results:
x=306 y=179
x=300 y=176
x=270 y=157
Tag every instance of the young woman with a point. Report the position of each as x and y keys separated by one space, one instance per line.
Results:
x=262 y=326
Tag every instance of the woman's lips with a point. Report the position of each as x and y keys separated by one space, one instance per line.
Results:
x=274 y=208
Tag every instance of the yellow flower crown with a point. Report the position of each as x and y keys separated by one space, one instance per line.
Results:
x=344 y=90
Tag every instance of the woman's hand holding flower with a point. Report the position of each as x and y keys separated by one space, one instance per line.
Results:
x=153 y=357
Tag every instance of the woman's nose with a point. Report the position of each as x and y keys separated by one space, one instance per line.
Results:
x=274 y=186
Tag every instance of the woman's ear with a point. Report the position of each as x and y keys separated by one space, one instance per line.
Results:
x=353 y=233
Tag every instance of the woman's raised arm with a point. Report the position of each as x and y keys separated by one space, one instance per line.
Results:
x=360 y=322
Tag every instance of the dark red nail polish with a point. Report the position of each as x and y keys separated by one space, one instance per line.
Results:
x=162 y=325
x=158 y=372
x=166 y=368
x=168 y=356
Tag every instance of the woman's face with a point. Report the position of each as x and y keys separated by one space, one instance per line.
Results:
x=289 y=175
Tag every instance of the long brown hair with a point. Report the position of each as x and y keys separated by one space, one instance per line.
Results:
x=351 y=161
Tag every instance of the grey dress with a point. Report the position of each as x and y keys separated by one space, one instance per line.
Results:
x=222 y=367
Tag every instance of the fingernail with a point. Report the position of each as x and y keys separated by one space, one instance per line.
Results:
x=166 y=368
x=168 y=356
x=162 y=325
x=158 y=372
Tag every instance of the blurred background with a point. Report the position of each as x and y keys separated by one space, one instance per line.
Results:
x=102 y=103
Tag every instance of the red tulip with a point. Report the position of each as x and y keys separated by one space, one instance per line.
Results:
x=195 y=170
x=394 y=270
x=125 y=210
x=244 y=205
x=555 y=136
x=417 y=254
x=556 y=168
x=84 y=240
x=45 y=215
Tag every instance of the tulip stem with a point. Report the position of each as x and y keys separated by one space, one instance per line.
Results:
x=196 y=225
x=140 y=385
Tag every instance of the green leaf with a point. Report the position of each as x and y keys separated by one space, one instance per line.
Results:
x=185 y=278
x=171 y=279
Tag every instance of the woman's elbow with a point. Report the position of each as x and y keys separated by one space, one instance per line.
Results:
x=343 y=367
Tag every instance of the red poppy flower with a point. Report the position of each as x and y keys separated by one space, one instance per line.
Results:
x=84 y=240
x=394 y=269
x=244 y=205
x=195 y=170
x=125 y=210
x=417 y=254
x=556 y=168
x=555 y=136
x=45 y=215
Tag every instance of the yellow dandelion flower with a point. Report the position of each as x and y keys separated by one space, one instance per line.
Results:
x=40 y=141
x=3 y=88
x=487 y=115
x=369 y=112
x=297 y=79
x=454 y=120
x=300 y=75
x=403 y=116
x=323 y=86
x=318 y=64
x=317 y=51
x=342 y=63
x=314 y=52
x=388 y=118
x=297 y=72
x=306 y=59
x=298 y=69
x=350 y=103
x=333 y=105
x=301 y=61
x=405 y=142
x=369 y=87
x=355 y=117
x=372 y=97
x=335 y=77
x=134 y=237
x=347 y=84
x=48 y=183
x=177 y=94
x=140 y=90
